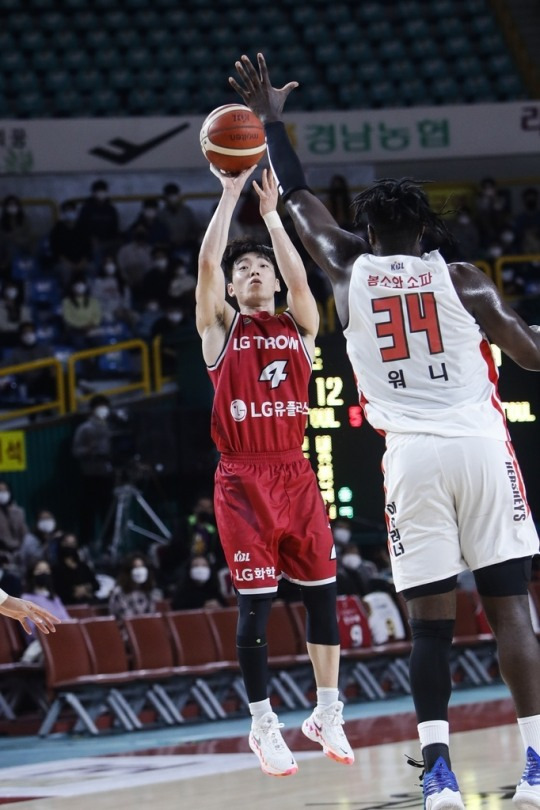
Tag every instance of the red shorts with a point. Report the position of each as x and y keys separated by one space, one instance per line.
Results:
x=272 y=521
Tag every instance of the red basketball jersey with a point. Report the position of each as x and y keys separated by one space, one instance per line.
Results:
x=261 y=386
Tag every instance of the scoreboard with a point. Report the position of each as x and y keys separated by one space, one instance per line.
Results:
x=346 y=452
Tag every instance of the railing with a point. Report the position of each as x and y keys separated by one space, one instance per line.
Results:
x=58 y=403
x=159 y=379
x=511 y=260
x=143 y=384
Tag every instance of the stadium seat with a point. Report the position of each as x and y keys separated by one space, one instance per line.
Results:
x=478 y=88
x=415 y=26
x=445 y=90
x=423 y=48
x=457 y=47
x=128 y=39
x=103 y=101
x=31 y=39
x=401 y=70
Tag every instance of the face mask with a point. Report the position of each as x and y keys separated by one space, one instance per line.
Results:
x=152 y=306
x=110 y=269
x=175 y=317
x=507 y=237
x=4 y=497
x=172 y=199
x=69 y=216
x=43 y=581
x=12 y=210
x=161 y=264
x=200 y=573
x=150 y=213
x=342 y=535
x=464 y=219
x=79 y=289
x=351 y=561
x=139 y=575
x=29 y=339
x=102 y=412
x=100 y=195
x=47 y=525
x=11 y=293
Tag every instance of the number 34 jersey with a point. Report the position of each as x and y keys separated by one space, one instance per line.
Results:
x=421 y=362
x=260 y=384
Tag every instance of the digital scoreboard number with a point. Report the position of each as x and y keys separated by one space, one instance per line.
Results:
x=346 y=452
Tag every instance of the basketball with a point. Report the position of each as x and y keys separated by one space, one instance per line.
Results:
x=232 y=138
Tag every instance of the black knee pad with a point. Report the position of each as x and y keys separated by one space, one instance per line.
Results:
x=253 y=612
x=436 y=629
x=320 y=603
x=508 y=578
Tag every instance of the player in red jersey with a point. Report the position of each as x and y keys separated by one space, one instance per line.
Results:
x=269 y=511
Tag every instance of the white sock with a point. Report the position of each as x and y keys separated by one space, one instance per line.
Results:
x=326 y=695
x=258 y=709
x=434 y=731
x=530 y=732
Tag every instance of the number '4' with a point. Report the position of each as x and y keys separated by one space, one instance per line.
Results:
x=421 y=314
x=274 y=373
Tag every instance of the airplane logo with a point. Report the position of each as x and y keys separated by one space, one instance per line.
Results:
x=125 y=152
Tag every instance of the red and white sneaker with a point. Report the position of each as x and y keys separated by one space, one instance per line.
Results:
x=324 y=726
x=266 y=742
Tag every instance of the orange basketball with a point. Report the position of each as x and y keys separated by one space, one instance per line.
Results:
x=232 y=138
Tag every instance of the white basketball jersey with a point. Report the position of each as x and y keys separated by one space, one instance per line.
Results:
x=421 y=362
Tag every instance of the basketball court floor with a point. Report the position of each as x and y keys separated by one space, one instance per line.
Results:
x=209 y=766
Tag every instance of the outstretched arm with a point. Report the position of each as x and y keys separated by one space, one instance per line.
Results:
x=300 y=300
x=213 y=314
x=332 y=248
x=498 y=320
x=25 y=611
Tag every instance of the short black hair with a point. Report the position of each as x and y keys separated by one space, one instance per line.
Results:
x=171 y=188
x=398 y=207
x=237 y=248
x=99 y=185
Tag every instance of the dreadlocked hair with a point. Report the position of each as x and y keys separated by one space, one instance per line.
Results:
x=237 y=247
x=395 y=207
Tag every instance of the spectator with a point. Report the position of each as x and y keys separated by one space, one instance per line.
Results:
x=528 y=220
x=175 y=327
x=492 y=210
x=98 y=220
x=81 y=313
x=466 y=236
x=41 y=543
x=248 y=217
x=180 y=221
x=13 y=526
x=356 y=575
x=112 y=294
x=10 y=581
x=151 y=312
x=157 y=233
x=182 y=286
x=135 y=592
x=13 y=312
x=92 y=447
x=39 y=383
x=156 y=282
x=40 y=590
x=15 y=231
x=198 y=587
x=70 y=245
x=135 y=260
x=74 y=580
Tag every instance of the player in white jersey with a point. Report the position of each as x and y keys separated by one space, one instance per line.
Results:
x=418 y=333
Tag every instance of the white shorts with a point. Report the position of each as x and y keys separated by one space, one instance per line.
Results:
x=453 y=504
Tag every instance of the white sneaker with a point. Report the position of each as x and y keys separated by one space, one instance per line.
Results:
x=266 y=741
x=324 y=726
x=527 y=795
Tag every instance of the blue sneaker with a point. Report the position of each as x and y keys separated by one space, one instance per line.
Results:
x=527 y=795
x=441 y=791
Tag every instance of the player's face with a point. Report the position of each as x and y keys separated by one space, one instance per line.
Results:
x=254 y=281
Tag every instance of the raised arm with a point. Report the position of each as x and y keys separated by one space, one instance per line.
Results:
x=502 y=325
x=331 y=247
x=300 y=300
x=213 y=313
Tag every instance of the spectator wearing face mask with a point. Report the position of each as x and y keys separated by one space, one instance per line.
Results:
x=70 y=245
x=40 y=590
x=112 y=294
x=74 y=580
x=466 y=235
x=38 y=383
x=41 y=543
x=10 y=577
x=81 y=314
x=156 y=281
x=92 y=447
x=151 y=312
x=157 y=232
x=135 y=592
x=342 y=532
x=99 y=221
x=134 y=259
x=15 y=231
x=13 y=312
x=180 y=221
x=356 y=575
x=175 y=328
x=13 y=525
x=198 y=586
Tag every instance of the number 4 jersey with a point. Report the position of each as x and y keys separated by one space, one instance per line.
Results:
x=261 y=383
x=421 y=362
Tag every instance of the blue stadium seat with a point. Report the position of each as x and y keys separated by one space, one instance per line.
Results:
x=31 y=39
x=401 y=69
x=52 y=21
x=143 y=100
x=414 y=92
x=337 y=13
x=12 y=61
x=339 y=73
x=415 y=27
x=108 y=58
x=18 y=21
x=24 y=81
x=103 y=101
x=69 y=103
x=433 y=68
x=445 y=90
x=423 y=48
x=457 y=47
x=478 y=88
x=128 y=38
x=392 y=49
x=380 y=30
x=327 y=53
x=57 y=80
x=31 y=104
x=98 y=39
x=383 y=93
x=352 y=95
x=88 y=79
x=85 y=21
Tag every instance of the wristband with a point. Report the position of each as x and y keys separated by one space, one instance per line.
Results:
x=272 y=220
x=284 y=160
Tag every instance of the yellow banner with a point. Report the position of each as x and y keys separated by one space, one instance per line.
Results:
x=12 y=451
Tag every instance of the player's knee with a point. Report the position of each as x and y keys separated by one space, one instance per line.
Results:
x=320 y=604
x=253 y=615
x=441 y=630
